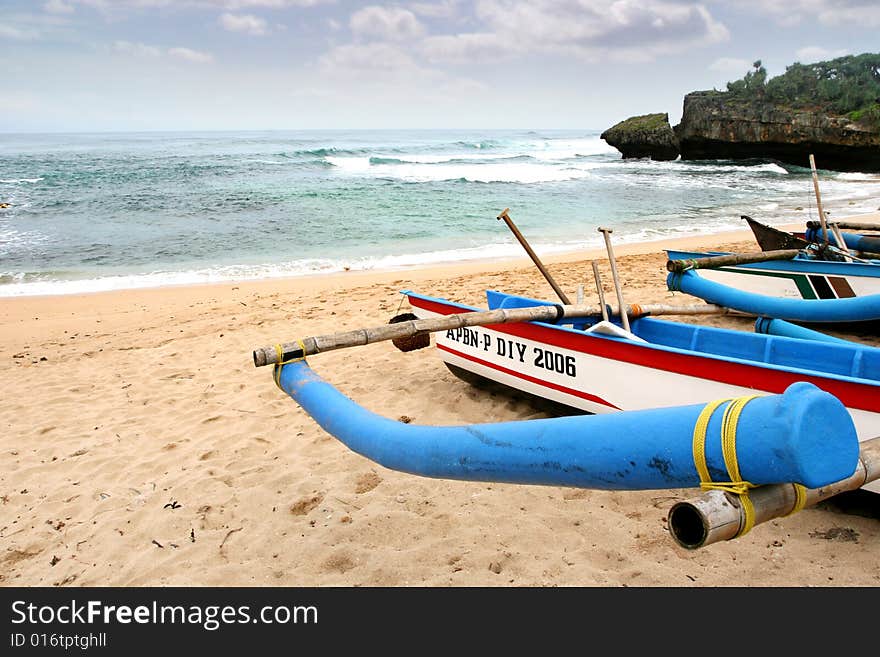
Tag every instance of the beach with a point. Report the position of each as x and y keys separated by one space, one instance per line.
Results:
x=141 y=447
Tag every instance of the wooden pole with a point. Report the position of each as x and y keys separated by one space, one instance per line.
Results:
x=819 y=201
x=532 y=255
x=400 y=330
x=730 y=259
x=717 y=516
x=835 y=229
x=600 y=290
x=624 y=320
x=848 y=225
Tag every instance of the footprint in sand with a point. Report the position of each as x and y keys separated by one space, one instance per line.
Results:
x=340 y=562
x=302 y=506
x=367 y=482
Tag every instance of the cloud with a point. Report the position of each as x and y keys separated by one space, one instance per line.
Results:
x=731 y=66
x=231 y=5
x=368 y=57
x=466 y=48
x=811 y=54
x=624 y=29
x=385 y=24
x=116 y=7
x=243 y=23
x=16 y=34
x=864 y=13
x=190 y=55
x=136 y=49
x=605 y=23
x=154 y=52
x=438 y=9
x=58 y=7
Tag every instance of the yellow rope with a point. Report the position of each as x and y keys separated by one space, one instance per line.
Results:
x=700 y=440
x=736 y=485
x=280 y=362
x=800 y=502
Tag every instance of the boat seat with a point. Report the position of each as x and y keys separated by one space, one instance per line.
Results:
x=608 y=328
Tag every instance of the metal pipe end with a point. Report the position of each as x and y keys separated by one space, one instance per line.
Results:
x=259 y=357
x=687 y=525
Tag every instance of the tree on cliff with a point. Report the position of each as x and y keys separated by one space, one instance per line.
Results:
x=846 y=85
x=752 y=84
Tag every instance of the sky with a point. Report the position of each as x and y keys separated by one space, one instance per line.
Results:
x=146 y=65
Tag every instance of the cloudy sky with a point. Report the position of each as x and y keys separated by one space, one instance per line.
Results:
x=105 y=65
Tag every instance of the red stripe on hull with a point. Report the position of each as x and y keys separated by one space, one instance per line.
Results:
x=531 y=379
x=853 y=395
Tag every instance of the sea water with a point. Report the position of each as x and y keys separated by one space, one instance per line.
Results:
x=92 y=212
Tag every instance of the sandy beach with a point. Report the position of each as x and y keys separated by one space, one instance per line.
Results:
x=141 y=447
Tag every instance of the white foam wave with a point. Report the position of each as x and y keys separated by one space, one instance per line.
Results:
x=567 y=149
x=659 y=230
x=509 y=172
x=448 y=157
x=852 y=176
x=14 y=181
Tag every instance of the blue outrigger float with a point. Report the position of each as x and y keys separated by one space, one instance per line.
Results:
x=804 y=288
x=670 y=405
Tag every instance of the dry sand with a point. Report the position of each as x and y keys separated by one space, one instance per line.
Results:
x=141 y=446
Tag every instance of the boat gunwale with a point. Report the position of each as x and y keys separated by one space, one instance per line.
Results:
x=799 y=264
x=856 y=384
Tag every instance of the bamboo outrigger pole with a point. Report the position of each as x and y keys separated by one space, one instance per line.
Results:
x=551 y=313
x=532 y=255
x=848 y=225
x=729 y=259
x=718 y=516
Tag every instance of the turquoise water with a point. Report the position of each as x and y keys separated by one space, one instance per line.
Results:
x=92 y=212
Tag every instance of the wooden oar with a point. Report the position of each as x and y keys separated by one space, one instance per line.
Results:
x=819 y=201
x=600 y=290
x=532 y=255
x=618 y=289
x=401 y=330
x=729 y=259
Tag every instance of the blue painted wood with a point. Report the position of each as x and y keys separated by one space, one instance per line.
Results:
x=778 y=440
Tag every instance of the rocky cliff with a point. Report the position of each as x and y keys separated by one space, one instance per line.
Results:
x=719 y=126
x=714 y=125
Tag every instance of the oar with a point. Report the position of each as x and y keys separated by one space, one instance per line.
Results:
x=709 y=262
x=401 y=330
x=600 y=290
x=532 y=255
x=606 y=232
x=819 y=202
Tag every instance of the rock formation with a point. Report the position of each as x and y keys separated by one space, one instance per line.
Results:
x=649 y=135
x=716 y=126
x=720 y=126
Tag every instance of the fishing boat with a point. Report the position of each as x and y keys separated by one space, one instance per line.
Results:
x=772 y=239
x=806 y=285
x=600 y=367
x=812 y=241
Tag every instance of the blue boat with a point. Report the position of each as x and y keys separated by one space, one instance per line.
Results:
x=804 y=288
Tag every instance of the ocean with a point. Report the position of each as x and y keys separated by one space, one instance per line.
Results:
x=94 y=212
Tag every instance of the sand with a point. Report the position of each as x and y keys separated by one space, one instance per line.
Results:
x=141 y=447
